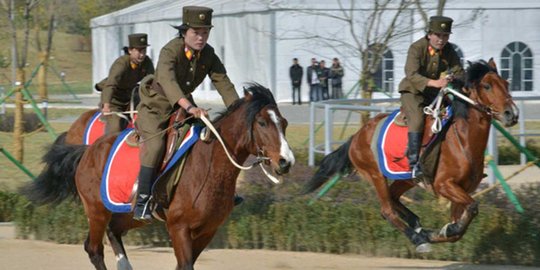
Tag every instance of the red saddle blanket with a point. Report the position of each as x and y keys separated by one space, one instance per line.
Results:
x=391 y=146
x=96 y=128
x=122 y=169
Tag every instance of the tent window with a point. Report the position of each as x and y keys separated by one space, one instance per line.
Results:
x=384 y=74
x=517 y=66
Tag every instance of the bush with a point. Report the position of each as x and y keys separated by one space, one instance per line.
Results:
x=346 y=220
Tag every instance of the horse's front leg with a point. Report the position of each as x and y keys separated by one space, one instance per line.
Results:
x=183 y=246
x=464 y=209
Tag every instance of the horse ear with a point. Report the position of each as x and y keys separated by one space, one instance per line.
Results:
x=469 y=63
x=247 y=94
x=492 y=64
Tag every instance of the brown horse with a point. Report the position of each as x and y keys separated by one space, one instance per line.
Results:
x=202 y=201
x=460 y=166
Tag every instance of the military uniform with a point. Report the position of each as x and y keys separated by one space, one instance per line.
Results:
x=425 y=63
x=179 y=71
x=123 y=77
x=178 y=77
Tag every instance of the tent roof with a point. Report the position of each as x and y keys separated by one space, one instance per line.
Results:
x=167 y=10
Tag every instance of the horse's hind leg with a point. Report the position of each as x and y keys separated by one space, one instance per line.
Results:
x=398 y=188
x=118 y=226
x=122 y=262
x=94 y=242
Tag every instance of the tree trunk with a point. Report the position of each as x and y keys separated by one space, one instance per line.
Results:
x=42 y=75
x=367 y=93
x=42 y=80
x=18 y=126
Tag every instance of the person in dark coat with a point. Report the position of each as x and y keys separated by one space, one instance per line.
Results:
x=125 y=73
x=296 y=72
x=312 y=78
x=336 y=75
x=183 y=64
x=323 y=74
x=431 y=64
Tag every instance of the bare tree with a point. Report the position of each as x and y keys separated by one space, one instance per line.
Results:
x=44 y=51
x=371 y=28
x=18 y=62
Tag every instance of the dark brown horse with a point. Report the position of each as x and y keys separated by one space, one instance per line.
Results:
x=461 y=162
x=202 y=201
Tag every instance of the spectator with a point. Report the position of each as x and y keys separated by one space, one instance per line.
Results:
x=323 y=74
x=296 y=72
x=336 y=73
x=313 y=81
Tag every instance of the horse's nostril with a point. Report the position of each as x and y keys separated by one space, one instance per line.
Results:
x=284 y=164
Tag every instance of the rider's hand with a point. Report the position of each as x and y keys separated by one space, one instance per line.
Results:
x=197 y=112
x=440 y=83
x=106 y=108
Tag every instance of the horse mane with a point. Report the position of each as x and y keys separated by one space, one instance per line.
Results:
x=473 y=75
x=261 y=97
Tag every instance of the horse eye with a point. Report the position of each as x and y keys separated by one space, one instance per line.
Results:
x=486 y=86
x=262 y=123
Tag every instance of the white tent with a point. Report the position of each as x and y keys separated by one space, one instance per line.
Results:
x=255 y=38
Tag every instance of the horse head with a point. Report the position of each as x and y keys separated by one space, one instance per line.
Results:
x=264 y=135
x=490 y=90
x=267 y=131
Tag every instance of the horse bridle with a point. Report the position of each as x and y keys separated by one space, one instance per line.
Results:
x=435 y=107
x=260 y=158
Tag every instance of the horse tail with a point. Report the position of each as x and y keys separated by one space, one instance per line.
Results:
x=57 y=180
x=336 y=162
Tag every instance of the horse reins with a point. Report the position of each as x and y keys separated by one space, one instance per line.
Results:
x=259 y=161
x=435 y=107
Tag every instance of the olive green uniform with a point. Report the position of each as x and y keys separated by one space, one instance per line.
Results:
x=177 y=77
x=119 y=85
x=419 y=69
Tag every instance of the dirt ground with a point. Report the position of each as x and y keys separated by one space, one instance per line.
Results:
x=18 y=254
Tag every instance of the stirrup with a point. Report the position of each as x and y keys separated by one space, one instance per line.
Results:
x=144 y=214
x=416 y=171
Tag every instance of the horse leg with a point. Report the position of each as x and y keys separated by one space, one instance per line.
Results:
x=200 y=244
x=398 y=188
x=419 y=238
x=94 y=242
x=464 y=209
x=183 y=246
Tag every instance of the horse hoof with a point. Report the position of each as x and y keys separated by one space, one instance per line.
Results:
x=123 y=264
x=423 y=248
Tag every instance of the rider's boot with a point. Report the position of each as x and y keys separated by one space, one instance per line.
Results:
x=141 y=211
x=413 y=153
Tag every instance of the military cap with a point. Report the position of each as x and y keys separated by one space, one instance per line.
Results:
x=440 y=24
x=194 y=16
x=138 y=40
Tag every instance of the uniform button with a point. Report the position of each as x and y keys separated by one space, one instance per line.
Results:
x=188 y=83
x=432 y=74
x=191 y=69
x=434 y=63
